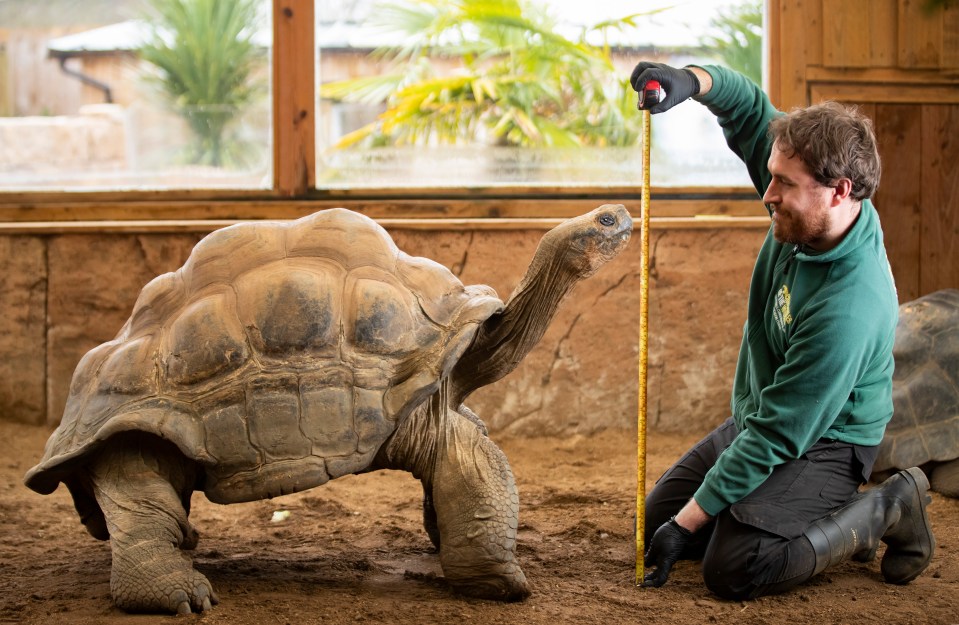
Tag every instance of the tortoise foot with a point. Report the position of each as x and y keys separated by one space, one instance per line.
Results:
x=168 y=584
x=511 y=585
x=944 y=479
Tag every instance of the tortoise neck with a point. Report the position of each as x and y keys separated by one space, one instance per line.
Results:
x=506 y=338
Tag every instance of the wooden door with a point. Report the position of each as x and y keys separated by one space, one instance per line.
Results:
x=899 y=61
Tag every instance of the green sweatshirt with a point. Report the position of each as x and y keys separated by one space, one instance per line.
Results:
x=816 y=356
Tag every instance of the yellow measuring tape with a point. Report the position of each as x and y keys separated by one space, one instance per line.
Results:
x=643 y=354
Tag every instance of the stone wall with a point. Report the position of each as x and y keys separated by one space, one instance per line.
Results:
x=67 y=142
x=64 y=294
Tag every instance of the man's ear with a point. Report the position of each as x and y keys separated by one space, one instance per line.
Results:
x=841 y=190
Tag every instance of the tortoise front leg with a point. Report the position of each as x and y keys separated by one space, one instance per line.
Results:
x=143 y=487
x=429 y=516
x=429 y=510
x=477 y=513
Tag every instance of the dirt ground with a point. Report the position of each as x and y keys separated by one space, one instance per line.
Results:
x=353 y=551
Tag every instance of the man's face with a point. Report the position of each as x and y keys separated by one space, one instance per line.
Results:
x=801 y=206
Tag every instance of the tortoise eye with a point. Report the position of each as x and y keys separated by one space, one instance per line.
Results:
x=607 y=219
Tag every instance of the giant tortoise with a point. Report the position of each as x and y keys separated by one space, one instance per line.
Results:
x=286 y=354
x=924 y=430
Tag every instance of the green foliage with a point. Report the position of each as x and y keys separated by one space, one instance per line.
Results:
x=520 y=83
x=206 y=61
x=739 y=44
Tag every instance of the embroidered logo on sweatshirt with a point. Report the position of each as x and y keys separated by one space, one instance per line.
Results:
x=782 y=314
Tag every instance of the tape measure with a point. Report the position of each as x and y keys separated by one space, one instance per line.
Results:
x=651 y=95
x=643 y=339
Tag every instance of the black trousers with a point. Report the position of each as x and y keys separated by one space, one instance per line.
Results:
x=756 y=546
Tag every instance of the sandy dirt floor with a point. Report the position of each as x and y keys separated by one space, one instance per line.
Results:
x=353 y=551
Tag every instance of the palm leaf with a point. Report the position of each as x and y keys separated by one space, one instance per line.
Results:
x=205 y=59
x=521 y=82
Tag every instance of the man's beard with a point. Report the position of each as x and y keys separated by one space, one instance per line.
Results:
x=806 y=233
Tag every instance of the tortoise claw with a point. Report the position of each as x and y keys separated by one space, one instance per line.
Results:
x=204 y=606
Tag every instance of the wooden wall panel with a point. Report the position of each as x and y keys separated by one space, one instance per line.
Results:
x=927 y=38
x=799 y=24
x=950 y=37
x=939 y=259
x=909 y=85
x=898 y=130
x=847 y=43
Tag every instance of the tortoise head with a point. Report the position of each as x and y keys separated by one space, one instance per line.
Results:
x=584 y=244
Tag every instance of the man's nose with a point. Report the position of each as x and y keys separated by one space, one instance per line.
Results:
x=770 y=196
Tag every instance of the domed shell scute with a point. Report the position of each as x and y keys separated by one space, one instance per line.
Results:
x=226 y=435
x=206 y=340
x=157 y=302
x=130 y=369
x=440 y=299
x=292 y=310
x=925 y=421
x=273 y=418
x=224 y=254
x=350 y=239
x=382 y=320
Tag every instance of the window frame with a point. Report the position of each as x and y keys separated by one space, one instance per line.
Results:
x=294 y=193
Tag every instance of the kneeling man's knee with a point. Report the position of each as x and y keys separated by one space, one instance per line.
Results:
x=729 y=579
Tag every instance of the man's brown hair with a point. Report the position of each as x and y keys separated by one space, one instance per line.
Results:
x=834 y=141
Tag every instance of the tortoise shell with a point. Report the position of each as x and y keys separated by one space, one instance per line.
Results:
x=925 y=420
x=281 y=355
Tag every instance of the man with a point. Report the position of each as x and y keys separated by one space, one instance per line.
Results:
x=771 y=497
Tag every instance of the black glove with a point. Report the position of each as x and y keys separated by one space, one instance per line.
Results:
x=680 y=84
x=666 y=547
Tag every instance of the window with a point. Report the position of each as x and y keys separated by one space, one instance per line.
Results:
x=94 y=95
x=416 y=93
x=134 y=94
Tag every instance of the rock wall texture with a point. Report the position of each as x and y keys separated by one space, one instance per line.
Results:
x=23 y=295
x=65 y=294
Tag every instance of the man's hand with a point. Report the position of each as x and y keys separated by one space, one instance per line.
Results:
x=679 y=84
x=666 y=547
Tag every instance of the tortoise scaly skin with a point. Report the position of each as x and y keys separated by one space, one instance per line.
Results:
x=286 y=354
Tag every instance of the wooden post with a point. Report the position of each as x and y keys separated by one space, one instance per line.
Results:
x=294 y=102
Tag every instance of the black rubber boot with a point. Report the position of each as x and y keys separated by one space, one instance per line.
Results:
x=893 y=512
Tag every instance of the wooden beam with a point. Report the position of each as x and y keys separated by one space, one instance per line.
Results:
x=136 y=197
x=773 y=16
x=665 y=205
x=34 y=228
x=294 y=89
x=884 y=94
x=883 y=75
